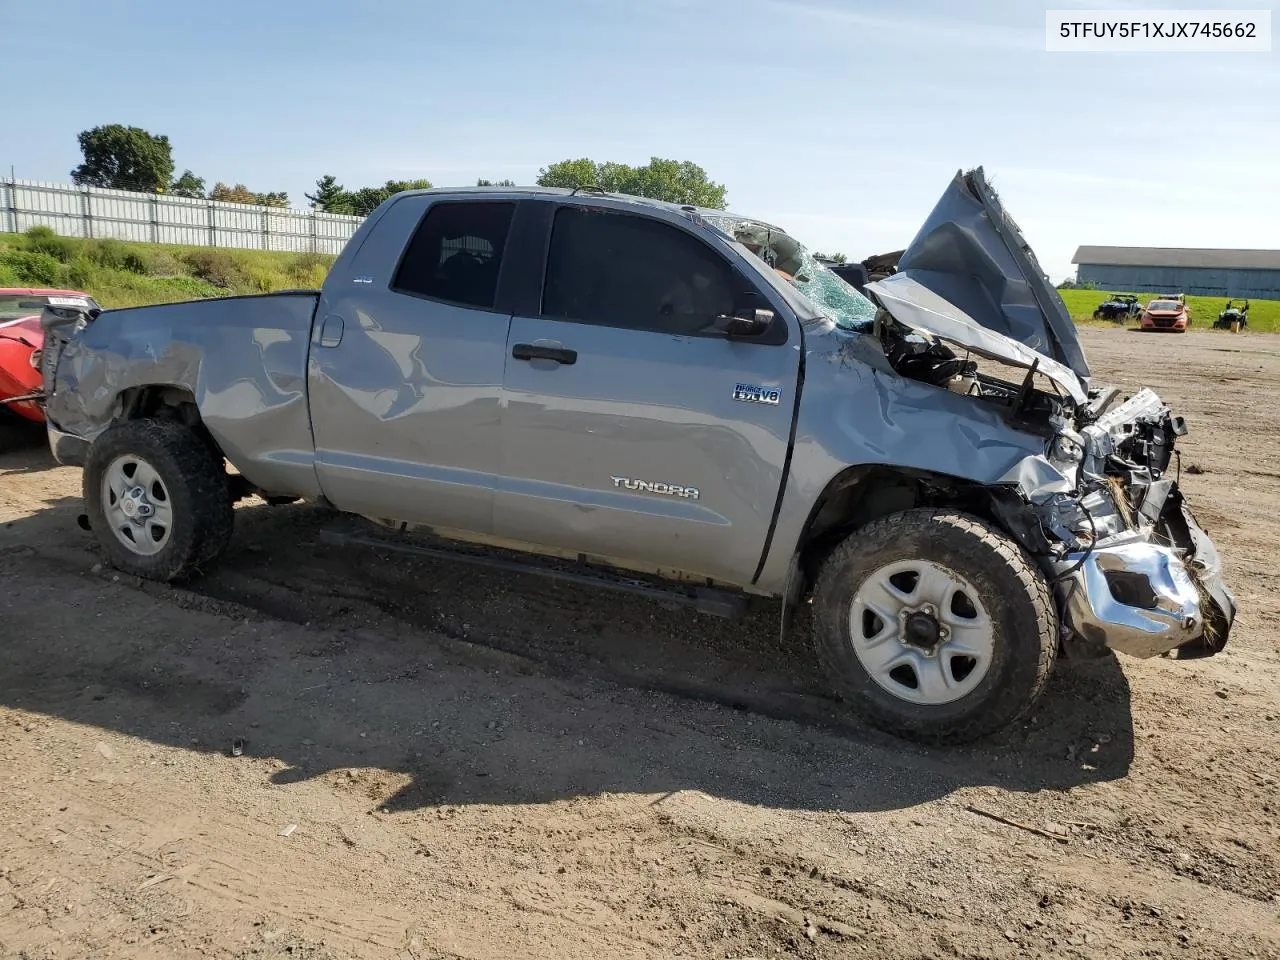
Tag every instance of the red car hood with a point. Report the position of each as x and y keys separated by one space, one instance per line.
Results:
x=24 y=328
x=19 y=339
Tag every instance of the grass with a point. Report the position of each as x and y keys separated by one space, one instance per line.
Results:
x=1264 y=315
x=120 y=274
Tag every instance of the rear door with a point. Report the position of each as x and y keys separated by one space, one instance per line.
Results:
x=406 y=366
x=631 y=433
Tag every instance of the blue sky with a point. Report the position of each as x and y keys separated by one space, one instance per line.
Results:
x=841 y=121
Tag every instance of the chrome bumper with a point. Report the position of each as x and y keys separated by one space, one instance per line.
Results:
x=1136 y=598
x=1144 y=600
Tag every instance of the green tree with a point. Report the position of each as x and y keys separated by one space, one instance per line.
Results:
x=676 y=181
x=367 y=199
x=188 y=185
x=237 y=194
x=242 y=194
x=570 y=174
x=124 y=158
x=833 y=257
x=330 y=196
x=495 y=183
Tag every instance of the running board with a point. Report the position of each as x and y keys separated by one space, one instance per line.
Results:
x=709 y=600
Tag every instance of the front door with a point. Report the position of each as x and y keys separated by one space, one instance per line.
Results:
x=630 y=432
x=406 y=367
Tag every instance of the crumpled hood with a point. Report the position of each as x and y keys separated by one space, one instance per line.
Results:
x=912 y=303
x=971 y=254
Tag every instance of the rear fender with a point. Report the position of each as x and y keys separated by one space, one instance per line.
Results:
x=239 y=361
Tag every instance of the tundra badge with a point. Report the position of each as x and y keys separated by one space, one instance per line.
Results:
x=669 y=489
x=750 y=393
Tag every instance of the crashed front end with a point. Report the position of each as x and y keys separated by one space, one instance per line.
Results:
x=1132 y=568
x=1085 y=480
x=1101 y=508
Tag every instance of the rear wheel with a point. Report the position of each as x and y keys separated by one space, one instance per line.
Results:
x=935 y=626
x=157 y=498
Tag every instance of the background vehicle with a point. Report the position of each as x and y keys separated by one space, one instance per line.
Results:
x=1166 y=313
x=20 y=339
x=1233 y=315
x=633 y=386
x=1118 y=307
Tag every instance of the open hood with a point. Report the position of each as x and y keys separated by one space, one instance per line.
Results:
x=971 y=254
x=918 y=307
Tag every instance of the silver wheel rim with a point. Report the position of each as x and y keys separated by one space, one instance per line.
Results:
x=136 y=504
x=921 y=632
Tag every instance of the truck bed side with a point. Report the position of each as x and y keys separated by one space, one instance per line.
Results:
x=243 y=360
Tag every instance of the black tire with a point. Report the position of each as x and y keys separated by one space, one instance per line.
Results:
x=1011 y=588
x=195 y=480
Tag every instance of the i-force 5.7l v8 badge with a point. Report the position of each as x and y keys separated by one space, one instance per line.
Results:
x=751 y=393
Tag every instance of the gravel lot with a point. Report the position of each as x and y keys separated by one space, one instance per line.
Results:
x=444 y=762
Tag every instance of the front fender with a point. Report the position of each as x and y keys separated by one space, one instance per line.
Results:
x=856 y=411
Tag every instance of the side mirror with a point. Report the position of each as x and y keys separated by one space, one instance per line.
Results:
x=747 y=322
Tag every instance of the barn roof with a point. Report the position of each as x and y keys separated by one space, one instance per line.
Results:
x=1178 y=257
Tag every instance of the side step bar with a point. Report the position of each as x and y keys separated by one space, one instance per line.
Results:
x=709 y=600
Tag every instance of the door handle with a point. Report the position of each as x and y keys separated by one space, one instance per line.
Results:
x=331 y=331
x=538 y=351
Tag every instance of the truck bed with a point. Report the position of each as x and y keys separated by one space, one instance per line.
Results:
x=243 y=360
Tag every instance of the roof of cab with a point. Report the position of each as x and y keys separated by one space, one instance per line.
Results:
x=683 y=209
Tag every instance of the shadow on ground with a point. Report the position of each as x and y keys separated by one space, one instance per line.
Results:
x=457 y=685
x=24 y=445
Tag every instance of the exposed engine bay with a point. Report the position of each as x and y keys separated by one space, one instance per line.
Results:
x=931 y=360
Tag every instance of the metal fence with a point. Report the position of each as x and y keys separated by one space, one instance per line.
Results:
x=157 y=218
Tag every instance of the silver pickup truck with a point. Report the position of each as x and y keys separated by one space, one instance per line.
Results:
x=685 y=395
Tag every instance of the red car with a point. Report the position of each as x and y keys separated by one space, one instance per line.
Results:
x=1166 y=313
x=20 y=341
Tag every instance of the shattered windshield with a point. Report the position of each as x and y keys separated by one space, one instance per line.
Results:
x=828 y=295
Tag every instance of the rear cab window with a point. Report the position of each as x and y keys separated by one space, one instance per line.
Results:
x=456 y=254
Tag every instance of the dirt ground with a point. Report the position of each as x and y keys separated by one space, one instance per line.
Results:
x=442 y=762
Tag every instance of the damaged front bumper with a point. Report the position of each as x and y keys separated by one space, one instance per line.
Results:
x=1144 y=598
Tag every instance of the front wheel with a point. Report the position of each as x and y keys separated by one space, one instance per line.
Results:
x=157 y=498
x=935 y=626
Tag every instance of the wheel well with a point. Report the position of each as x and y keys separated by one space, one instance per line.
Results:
x=160 y=403
x=861 y=494
x=166 y=402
